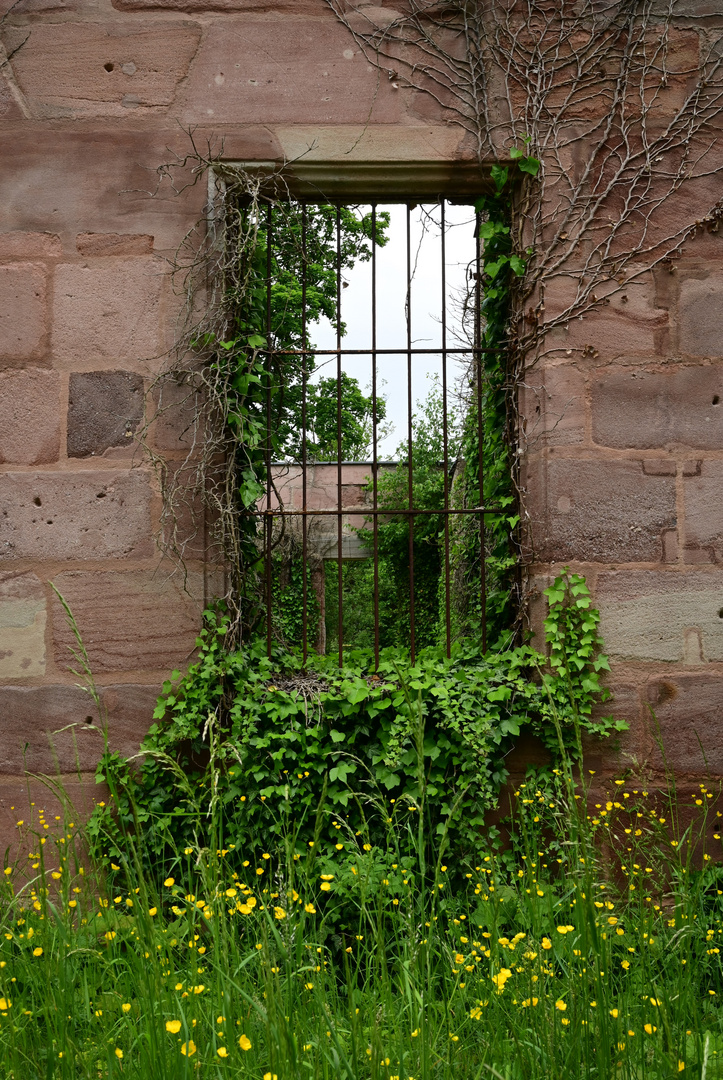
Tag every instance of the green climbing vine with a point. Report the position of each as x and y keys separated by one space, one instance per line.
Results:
x=501 y=268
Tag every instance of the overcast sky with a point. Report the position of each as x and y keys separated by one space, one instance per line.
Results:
x=426 y=308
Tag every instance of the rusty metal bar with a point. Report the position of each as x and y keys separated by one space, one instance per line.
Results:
x=304 y=523
x=403 y=350
x=339 y=526
x=410 y=462
x=445 y=438
x=366 y=512
x=269 y=513
x=375 y=463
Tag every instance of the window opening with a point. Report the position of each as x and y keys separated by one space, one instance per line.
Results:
x=406 y=318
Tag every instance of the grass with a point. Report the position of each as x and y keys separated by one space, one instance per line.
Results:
x=549 y=959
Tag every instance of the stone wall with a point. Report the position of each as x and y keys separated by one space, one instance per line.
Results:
x=624 y=444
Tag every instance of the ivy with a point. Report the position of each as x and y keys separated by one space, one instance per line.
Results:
x=286 y=751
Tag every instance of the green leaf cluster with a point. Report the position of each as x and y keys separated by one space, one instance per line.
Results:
x=278 y=749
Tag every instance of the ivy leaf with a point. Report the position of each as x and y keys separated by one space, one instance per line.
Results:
x=529 y=165
x=499 y=174
x=518 y=265
x=257 y=342
x=336 y=736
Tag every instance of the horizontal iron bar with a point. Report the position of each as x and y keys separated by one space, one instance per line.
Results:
x=370 y=512
x=403 y=351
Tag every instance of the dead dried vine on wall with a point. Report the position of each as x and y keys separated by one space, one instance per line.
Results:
x=620 y=102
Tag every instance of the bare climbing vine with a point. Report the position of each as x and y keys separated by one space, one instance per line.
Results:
x=621 y=105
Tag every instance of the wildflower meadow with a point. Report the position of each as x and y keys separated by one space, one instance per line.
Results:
x=549 y=956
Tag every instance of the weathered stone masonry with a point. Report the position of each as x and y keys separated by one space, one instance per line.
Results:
x=625 y=457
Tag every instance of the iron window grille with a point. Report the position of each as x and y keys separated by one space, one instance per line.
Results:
x=271 y=510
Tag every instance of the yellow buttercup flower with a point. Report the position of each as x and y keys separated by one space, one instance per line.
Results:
x=561 y=1005
x=126 y=1007
x=222 y=1052
x=310 y=909
x=5 y=1004
x=188 y=1048
x=546 y=943
x=118 y=1052
x=244 y=1042
x=38 y=951
x=174 y=1026
x=169 y=882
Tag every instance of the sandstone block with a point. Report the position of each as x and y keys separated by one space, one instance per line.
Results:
x=100 y=70
x=29 y=420
x=704 y=513
x=599 y=511
x=104 y=410
x=285 y=7
x=29 y=245
x=138 y=620
x=298 y=71
x=175 y=425
x=650 y=409
x=605 y=755
x=82 y=515
x=114 y=244
x=22 y=799
x=662 y=615
x=700 y=319
x=22 y=312
x=106 y=312
x=50 y=729
x=688 y=709
x=23 y=616
x=553 y=406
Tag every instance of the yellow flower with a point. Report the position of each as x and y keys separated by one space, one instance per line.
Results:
x=649 y=1029
x=118 y=1052
x=153 y=911
x=546 y=943
x=5 y=1003
x=126 y=1007
x=244 y=1042
x=230 y=892
x=310 y=909
x=459 y=959
x=614 y=1013
x=222 y=1052
x=188 y=1048
x=561 y=1005
x=309 y=986
x=174 y=1026
x=681 y=1066
x=625 y=964
x=279 y=913
x=325 y=886
x=38 y=951
x=270 y=1076
x=169 y=882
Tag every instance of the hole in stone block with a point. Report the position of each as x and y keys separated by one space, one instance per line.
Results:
x=109 y=66
x=720 y=613
x=100 y=495
x=89 y=719
x=716 y=399
x=37 y=501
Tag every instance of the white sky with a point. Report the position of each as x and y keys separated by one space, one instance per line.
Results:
x=426 y=308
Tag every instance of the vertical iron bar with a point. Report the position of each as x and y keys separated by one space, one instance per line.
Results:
x=304 y=361
x=269 y=513
x=445 y=436
x=410 y=481
x=375 y=466
x=480 y=428
x=338 y=437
